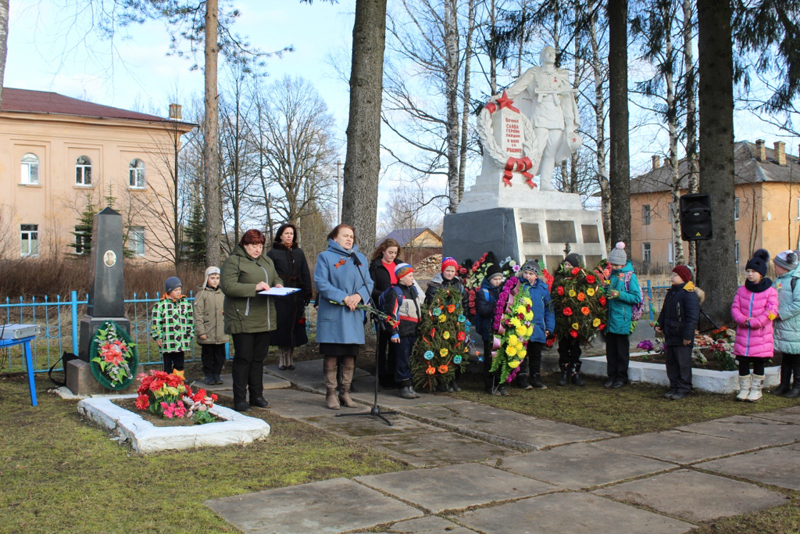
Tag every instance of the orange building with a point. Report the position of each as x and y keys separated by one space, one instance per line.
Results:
x=57 y=152
x=766 y=206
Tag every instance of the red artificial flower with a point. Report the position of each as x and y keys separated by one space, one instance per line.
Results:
x=461 y=336
x=573 y=333
x=214 y=397
x=142 y=403
x=302 y=320
x=451 y=308
x=567 y=311
x=575 y=270
x=443 y=369
x=550 y=341
x=601 y=327
x=581 y=296
x=603 y=301
x=585 y=310
x=462 y=270
x=591 y=279
x=560 y=290
x=155 y=385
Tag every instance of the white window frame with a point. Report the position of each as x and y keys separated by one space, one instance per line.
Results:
x=671 y=253
x=736 y=251
x=136 y=241
x=647 y=214
x=29 y=240
x=80 y=241
x=136 y=174
x=798 y=208
x=647 y=251
x=82 y=177
x=736 y=208
x=29 y=170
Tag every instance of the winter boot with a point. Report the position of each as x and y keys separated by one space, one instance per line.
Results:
x=786 y=376
x=330 y=385
x=795 y=391
x=407 y=392
x=565 y=372
x=454 y=386
x=576 y=374
x=523 y=382
x=344 y=392
x=755 y=388
x=536 y=381
x=744 y=387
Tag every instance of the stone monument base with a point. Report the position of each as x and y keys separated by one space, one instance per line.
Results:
x=89 y=326
x=81 y=381
x=525 y=234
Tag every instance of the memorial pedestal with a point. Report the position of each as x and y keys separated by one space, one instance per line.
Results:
x=89 y=326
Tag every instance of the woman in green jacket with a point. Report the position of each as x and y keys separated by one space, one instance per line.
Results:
x=249 y=317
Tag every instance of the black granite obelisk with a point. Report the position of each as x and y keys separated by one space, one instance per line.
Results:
x=107 y=295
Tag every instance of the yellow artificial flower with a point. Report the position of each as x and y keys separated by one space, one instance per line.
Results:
x=596 y=322
x=443 y=352
x=529 y=316
x=442 y=318
x=576 y=326
x=446 y=335
x=526 y=301
x=514 y=322
x=529 y=333
x=521 y=354
x=572 y=293
x=512 y=339
x=513 y=364
x=520 y=309
x=511 y=351
x=520 y=330
x=590 y=291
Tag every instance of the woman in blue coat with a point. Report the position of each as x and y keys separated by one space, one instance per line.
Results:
x=343 y=282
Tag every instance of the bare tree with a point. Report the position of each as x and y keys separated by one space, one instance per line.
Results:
x=620 y=177
x=3 y=42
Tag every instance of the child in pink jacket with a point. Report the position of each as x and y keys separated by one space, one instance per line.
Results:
x=754 y=308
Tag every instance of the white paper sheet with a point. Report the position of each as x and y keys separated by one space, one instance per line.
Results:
x=279 y=291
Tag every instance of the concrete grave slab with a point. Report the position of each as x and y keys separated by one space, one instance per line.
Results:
x=754 y=431
x=575 y=513
x=456 y=486
x=505 y=427
x=432 y=449
x=779 y=466
x=581 y=465
x=428 y=525
x=307 y=372
x=327 y=507
x=270 y=382
x=297 y=404
x=694 y=496
x=675 y=446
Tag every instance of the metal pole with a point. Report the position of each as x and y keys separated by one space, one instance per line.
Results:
x=74 y=308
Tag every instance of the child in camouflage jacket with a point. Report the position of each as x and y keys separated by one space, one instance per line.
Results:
x=172 y=325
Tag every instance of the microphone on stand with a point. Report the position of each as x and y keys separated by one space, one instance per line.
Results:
x=355 y=259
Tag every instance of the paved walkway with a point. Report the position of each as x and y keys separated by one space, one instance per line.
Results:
x=488 y=470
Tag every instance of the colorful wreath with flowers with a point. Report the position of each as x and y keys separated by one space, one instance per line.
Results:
x=444 y=342
x=513 y=324
x=579 y=303
x=472 y=275
x=168 y=395
x=114 y=361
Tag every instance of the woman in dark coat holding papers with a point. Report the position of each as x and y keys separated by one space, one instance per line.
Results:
x=343 y=282
x=292 y=267
x=249 y=317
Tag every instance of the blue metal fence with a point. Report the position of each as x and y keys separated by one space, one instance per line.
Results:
x=655 y=299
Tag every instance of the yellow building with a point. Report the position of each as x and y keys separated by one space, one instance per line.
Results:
x=56 y=152
x=766 y=207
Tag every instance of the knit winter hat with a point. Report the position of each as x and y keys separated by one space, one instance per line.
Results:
x=402 y=269
x=684 y=272
x=786 y=259
x=209 y=272
x=493 y=271
x=758 y=262
x=573 y=259
x=617 y=255
x=172 y=283
x=531 y=265
x=449 y=262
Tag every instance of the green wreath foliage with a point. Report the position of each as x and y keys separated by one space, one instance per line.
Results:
x=112 y=376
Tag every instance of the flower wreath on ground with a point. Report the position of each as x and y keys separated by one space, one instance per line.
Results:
x=444 y=342
x=168 y=395
x=114 y=361
x=472 y=275
x=580 y=303
x=513 y=324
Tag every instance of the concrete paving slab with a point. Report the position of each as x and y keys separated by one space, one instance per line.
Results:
x=694 y=496
x=675 y=446
x=368 y=426
x=755 y=431
x=505 y=427
x=793 y=409
x=781 y=415
x=270 y=382
x=433 y=449
x=329 y=507
x=306 y=372
x=779 y=466
x=456 y=486
x=390 y=398
x=428 y=525
x=575 y=513
x=298 y=404
x=581 y=465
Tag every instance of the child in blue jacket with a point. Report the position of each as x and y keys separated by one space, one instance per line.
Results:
x=623 y=294
x=544 y=322
x=485 y=304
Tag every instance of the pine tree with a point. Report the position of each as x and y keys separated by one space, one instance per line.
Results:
x=195 y=233
x=83 y=230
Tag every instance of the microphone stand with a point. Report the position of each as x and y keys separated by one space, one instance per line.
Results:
x=379 y=326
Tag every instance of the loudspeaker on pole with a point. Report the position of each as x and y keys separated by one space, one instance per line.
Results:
x=695 y=215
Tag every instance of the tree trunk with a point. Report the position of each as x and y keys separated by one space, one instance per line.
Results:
x=600 y=131
x=211 y=138
x=363 y=162
x=462 y=164
x=691 y=111
x=451 y=94
x=619 y=179
x=3 y=42
x=716 y=268
x=672 y=126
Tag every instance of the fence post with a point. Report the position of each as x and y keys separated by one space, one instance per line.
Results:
x=650 y=298
x=74 y=308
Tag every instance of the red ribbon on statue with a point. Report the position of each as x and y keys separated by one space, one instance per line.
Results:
x=521 y=165
x=502 y=102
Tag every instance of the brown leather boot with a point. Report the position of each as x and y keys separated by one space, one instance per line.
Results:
x=344 y=392
x=330 y=383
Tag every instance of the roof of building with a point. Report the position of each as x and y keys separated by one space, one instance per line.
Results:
x=406 y=236
x=747 y=169
x=26 y=101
